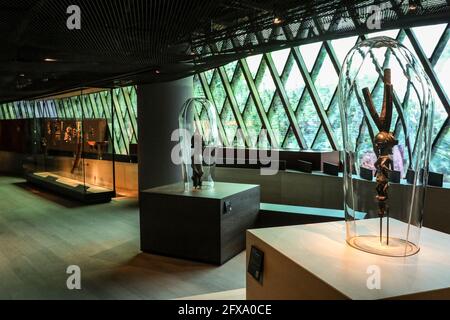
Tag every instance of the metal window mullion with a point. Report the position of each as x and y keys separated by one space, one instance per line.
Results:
x=99 y=104
x=105 y=105
x=7 y=111
x=442 y=43
x=234 y=106
x=12 y=111
x=122 y=128
x=74 y=107
x=315 y=98
x=45 y=109
x=285 y=102
x=2 y=116
x=94 y=106
x=18 y=109
x=25 y=109
x=62 y=109
x=254 y=94
x=65 y=108
x=68 y=108
x=431 y=74
x=320 y=59
x=301 y=99
x=129 y=106
x=429 y=70
x=57 y=109
x=258 y=103
x=208 y=94
x=295 y=51
x=15 y=110
x=106 y=109
x=427 y=67
x=84 y=108
x=337 y=67
x=86 y=111
x=440 y=133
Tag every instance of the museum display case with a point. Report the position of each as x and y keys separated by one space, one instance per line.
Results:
x=199 y=139
x=386 y=106
x=73 y=152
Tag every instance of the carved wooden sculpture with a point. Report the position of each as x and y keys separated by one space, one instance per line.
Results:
x=197 y=159
x=384 y=142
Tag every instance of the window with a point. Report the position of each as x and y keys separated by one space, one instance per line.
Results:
x=309 y=79
x=92 y=105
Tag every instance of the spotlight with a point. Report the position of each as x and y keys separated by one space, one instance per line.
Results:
x=277 y=20
x=414 y=5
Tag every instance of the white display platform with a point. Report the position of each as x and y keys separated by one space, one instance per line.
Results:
x=315 y=262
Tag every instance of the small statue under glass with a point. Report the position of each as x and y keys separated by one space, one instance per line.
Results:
x=197 y=160
x=384 y=143
x=199 y=138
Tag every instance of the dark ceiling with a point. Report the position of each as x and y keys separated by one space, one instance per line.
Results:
x=123 y=42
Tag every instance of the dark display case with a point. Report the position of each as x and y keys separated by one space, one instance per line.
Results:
x=69 y=156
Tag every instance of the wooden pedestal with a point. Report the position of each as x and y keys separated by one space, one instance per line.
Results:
x=315 y=262
x=206 y=225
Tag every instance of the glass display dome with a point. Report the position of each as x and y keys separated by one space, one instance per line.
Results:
x=386 y=110
x=199 y=139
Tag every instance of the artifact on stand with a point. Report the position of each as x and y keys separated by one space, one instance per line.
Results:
x=197 y=159
x=383 y=132
x=383 y=144
x=199 y=139
x=76 y=163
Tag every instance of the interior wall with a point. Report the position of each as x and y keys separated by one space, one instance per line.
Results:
x=159 y=106
x=286 y=187
x=11 y=162
x=324 y=191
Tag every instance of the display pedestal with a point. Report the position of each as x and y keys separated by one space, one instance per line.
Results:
x=315 y=262
x=70 y=188
x=204 y=225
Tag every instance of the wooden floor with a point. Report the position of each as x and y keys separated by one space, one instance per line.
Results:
x=41 y=235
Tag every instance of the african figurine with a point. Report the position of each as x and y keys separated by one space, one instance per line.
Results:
x=197 y=145
x=384 y=143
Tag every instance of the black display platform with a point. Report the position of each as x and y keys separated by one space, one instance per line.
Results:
x=58 y=185
x=207 y=225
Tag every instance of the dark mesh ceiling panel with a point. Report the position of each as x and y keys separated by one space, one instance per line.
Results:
x=124 y=42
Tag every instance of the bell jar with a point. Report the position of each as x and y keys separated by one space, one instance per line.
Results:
x=386 y=108
x=199 y=139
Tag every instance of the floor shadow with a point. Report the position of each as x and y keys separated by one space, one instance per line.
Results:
x=175 y=265
x=42 y=193
x=126 y=202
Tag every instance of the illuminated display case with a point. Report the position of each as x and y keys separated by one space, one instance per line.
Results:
x=388 y=138
x=73 y=154
x=199 y=139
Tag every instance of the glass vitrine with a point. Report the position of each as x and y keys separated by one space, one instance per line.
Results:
x=73 y=152
x=387 y=113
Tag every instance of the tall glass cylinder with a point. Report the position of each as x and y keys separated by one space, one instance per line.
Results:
x=386 y=110
x=199 y=139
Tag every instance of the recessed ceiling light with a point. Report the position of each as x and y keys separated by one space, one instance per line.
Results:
x=50 y=60
x=277 y=20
